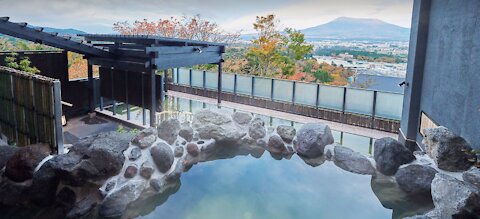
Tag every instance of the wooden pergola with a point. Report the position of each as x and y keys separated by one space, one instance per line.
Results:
x=132 y=53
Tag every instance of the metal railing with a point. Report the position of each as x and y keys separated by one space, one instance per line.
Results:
x=376 y=104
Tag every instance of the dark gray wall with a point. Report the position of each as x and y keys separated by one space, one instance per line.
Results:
x=450 y=90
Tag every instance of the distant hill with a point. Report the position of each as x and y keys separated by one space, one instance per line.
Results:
x=69 y=31
x=358 y=28
x=344 y=28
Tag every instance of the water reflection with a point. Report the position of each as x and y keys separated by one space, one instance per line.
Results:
x=232 y=184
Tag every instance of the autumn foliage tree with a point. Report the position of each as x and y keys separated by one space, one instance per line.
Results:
x=193 y=28
x=273 y=52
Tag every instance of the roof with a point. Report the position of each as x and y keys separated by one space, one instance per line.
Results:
x=147 y=40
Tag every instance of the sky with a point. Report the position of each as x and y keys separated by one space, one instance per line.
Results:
x=98 y=16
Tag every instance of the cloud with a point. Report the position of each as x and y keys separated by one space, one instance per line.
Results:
x=98 y=16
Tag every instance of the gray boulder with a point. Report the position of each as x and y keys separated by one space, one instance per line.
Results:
x=449 y=151
x=186 y=132
x=389 y=154
x=454 y=198
x=472 y=176
x=116 y=202
x=217 y=124
x=162 y=155
x=145 y=138
x=352 y=161
x=168 y=130
x=312 y=139
x=415 y=179
x=287 y=133
x=256 y=129
x=276 y=145
x=242 y=118
x=23 y=162
x=84 y=208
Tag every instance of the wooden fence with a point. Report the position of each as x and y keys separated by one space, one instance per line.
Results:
x=31 y=109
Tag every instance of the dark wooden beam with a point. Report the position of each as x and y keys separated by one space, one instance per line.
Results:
x=24 y=32
x=167 y=50
x=183 y=60
x=118 y=64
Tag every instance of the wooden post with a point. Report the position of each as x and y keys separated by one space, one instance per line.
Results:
x=153 y=98
x=374 y=108
x=235 y=87
x=219 y=98
x=113 y=93
x=190 y=80
x=57 y=101
x=91 y=88
x=126 y=95
x=142 y=87
x=344 y=117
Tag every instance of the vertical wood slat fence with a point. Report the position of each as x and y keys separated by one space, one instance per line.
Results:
x=31 y=110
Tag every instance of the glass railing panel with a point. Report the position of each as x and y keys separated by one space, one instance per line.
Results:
x=211 y=80
x=244 y=85
x=331 y=97
x=228 y=82
x=359 y=101
x=305 y=94
x=184 y=76
x=197 y=78
x=389 y=105
x=263 y=87
x=283 y=90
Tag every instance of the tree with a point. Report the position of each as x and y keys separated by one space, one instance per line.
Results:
x=193 y=28
x=296 y=46
x=23 y=64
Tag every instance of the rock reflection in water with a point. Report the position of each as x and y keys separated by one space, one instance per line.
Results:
x=223 y=201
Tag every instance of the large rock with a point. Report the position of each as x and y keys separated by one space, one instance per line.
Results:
x=286 y=132
x=449 y=151
x=116 y=202
x=472 y=176
x=22 y=164
x=256 y=130
x=454 y=198
x=352 y=161
x=312 y=139
x=5 y=153
x=275 y=145
x=44 y=185
x=168 y=130
x=242 y=118
x=162 y=155
x=389 y=154
x=93 y=159
x=145 y=138
x=186 y=132
x=84 y=208
x=415 y=178
x=217 y=124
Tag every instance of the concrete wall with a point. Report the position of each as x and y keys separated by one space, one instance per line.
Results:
x=450 y=75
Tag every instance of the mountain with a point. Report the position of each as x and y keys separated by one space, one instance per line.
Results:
x=357 y=28
x=69 y=31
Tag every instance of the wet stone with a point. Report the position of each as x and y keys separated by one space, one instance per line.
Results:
x=146 y=170
x=178 y=152
x=135 y=153
x=110 y=185
x=193 y=149
x=130 y=172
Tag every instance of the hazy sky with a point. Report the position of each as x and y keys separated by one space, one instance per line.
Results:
x=97 y=16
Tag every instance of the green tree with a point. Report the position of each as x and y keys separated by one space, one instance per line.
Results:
x=322 y=76
x=296 y=46
x=22 y=64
